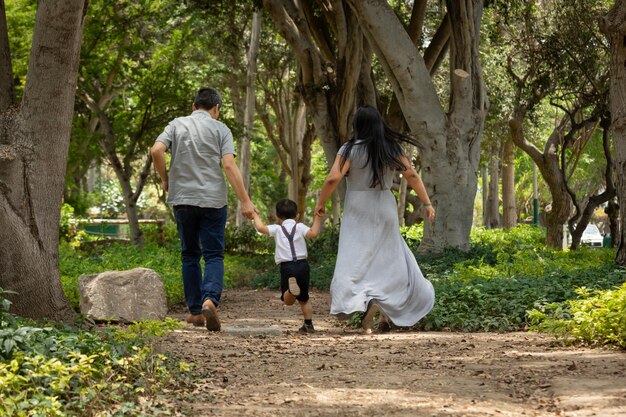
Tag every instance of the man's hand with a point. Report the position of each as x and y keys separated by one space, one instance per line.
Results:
x=248 y=210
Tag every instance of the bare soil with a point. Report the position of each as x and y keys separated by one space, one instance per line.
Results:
x=338 y=371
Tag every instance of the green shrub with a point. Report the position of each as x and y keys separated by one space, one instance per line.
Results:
x=471 y=296
x=596 y=317
x=49 y=370
x=247 y=240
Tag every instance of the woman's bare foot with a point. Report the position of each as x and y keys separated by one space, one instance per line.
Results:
x=368 y=318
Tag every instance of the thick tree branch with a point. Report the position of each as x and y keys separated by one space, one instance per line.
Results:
x=408 y=73
x=416 y=24
x=438 y=46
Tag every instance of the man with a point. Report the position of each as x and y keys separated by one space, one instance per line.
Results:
x=201 y=146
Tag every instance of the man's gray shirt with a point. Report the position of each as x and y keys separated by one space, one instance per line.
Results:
x=197 y=142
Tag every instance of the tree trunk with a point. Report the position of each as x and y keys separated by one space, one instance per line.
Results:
x=612 y=211
x=493 y=199
x=484 y=173
x=123 y=173
x=509 y=218
x=578 y=224
x=449 y=143
x=614 y=27
x=37 y=146
x=295 y=135
x=317 y=73
x=550 y=169
x=248 y=122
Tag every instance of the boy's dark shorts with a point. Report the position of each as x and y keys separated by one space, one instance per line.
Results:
x=301 y=271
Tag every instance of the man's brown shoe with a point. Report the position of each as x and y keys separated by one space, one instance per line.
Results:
x=212 y=320
x=196 y=319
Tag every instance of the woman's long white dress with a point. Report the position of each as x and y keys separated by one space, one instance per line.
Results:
x=374 y=262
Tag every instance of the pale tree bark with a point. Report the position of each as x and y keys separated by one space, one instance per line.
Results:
x=333 y=77
x=330 y=66
x=613 y=25
x=291 y=137
x=248 y=118
x=7 y=89
x=509 y=210
x=295 y=137
x=433 y=56
x=37 y=145
x=449 y=142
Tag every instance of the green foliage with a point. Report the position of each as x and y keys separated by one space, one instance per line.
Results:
x=596 y=317
x=505 y=274
x=57 y=370
x=20 y=16
x=246 y=239
x=108 y=198
x=67 y=222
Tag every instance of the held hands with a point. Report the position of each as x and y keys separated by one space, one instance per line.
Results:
x=320 y=210
x=249 y=210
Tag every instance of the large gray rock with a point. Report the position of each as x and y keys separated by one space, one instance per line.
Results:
x=132 y=295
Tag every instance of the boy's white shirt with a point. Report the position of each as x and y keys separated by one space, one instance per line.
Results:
x=282 y=252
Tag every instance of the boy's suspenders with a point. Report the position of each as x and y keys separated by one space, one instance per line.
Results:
x=289 y=237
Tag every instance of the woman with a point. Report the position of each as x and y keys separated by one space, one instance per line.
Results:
x=375 y=270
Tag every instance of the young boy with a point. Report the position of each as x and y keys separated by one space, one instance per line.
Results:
x=291 y=254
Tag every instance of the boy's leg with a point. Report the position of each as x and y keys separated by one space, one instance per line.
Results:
x=307 y=309
x=307 y=312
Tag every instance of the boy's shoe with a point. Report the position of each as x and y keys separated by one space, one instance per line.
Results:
x=294 y=289
x=306 y=328
x=212 y=320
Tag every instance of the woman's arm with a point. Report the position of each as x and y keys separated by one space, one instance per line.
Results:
x=332 y=180
x=414 y=180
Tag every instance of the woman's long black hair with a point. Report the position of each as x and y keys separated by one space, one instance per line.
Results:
x=381 y=142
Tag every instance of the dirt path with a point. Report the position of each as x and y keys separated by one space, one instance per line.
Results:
x=340 y=372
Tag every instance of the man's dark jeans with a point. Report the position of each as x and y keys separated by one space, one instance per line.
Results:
x=201 y=232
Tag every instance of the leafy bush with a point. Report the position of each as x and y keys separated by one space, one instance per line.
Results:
x=247 y=240
x=596 y=317
x=472 y=295
x=59 y=370
x=67 y=222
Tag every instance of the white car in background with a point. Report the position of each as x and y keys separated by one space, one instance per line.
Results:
x=592 y=237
